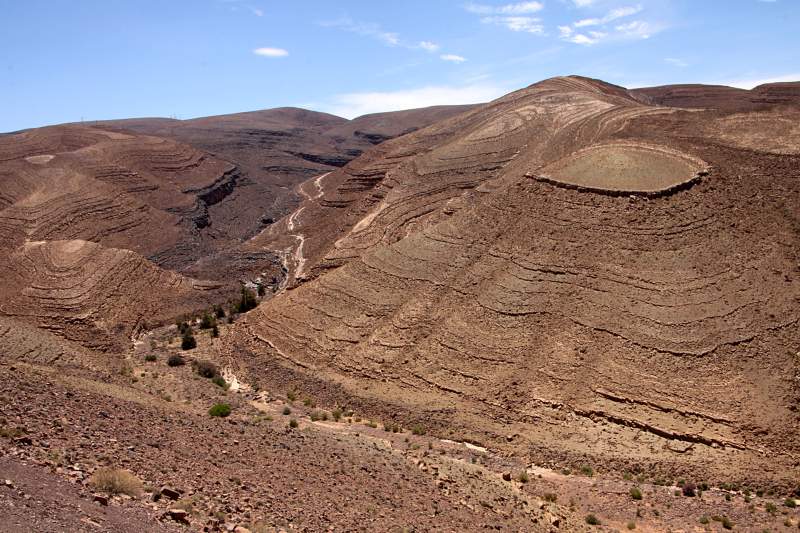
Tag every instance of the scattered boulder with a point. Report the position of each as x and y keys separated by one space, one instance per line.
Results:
x=178 y=515
x=172 y=494
x=101 y=499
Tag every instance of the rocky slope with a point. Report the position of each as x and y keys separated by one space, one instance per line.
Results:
x=454 y=283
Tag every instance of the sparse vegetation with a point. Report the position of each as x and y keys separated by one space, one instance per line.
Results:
x=206 y=369
x=247 y=301
x=550 y=497
x=176 y=360
x=587 y=470
x=631 y=525
x=291 y=396
x=704 y=520
x=336 y=414
x=636 y=493
x=150 y=357
x=790 y=503
x=220 y=382
x=220 y=410
x=688 y=489
x=592 y=520
x=115 y=481
x=208 y=321
x=318 y=415
x=188 y=342
x=523 y=477
x=293 y=423
x=417 y=429
x=771 y=508
x=287 y=411
x=219 y=312
x=214 y=331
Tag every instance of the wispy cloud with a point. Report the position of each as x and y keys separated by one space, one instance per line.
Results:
x=612 y=15
x=428 y=46
x=523 y=24
x=583 y=3
x=515 y=17
x=367 y=29
x=257 y=12
x=674 y=61
x=520 y=8
x=352 y=105
x=603 y=30
x=453 y=58
x=270 y=52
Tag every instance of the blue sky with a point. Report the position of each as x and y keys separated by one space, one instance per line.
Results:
x=67 y=60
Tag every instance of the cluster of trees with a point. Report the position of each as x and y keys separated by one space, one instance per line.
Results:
x=209 y=320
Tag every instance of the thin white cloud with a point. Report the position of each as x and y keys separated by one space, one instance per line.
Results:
x=520 y=8
x=453 y=58
x=674 y=61
x=428 y=46
x=578 y=33
x=522 y=24
x=367 y=29
x=612 y=15
x=755 y=82
x=582 y=3
x=352 y=105
x=270 y=52
x=257 y=12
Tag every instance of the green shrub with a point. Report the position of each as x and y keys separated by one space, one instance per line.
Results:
x=150 y=357
x=523 y=477
x=636 y=493
x=220 y=410
x=293 y=423
x=336 y=414
x=550 y=497
x=417 y=429
x=631 y=525
x=219 y=381
x=726 y=523
x=704 y=520
x=208 y=321
x=247 y=301
x=592 y=520
x=587 y=471
x=188 y=341
x=291 y=396
x=790 y=503
x=176 y=360
x=219 y=312
x=287 y=411
x=770 y=508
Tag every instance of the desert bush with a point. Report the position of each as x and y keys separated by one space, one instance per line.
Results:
x=592 y=520
x=704 y=520
x=336 y=414
x=150 y=357
x=308 y=402
x=215 y=331
x=790 y=503
x=188 y=342
x=115 y=481
x=176 y=360
x=636 y=493
x=523 y=477
x=550 y=497
x=247 y=301
x=688 y=489
x=417 y=429
x=220 y=382
x=631 y=525
x=291 y=396
x=318 y=415
x=771 y=508
x=219 y=312
x=207 y=321
x=587 y=470
x=293 y=423
x=220 y=410
x=287 y=410
x=206 y=369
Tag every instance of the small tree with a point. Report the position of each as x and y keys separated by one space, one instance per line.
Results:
x=208 y=321
x=188 y=341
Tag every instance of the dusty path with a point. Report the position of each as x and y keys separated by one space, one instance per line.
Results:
x=296 y=254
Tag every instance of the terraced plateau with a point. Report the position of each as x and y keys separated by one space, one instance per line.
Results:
x=575 y=301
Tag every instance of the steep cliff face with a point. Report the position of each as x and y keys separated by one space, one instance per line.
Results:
x=439 y=279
